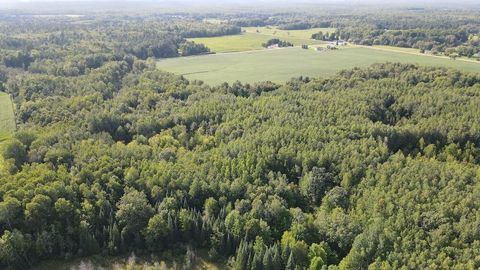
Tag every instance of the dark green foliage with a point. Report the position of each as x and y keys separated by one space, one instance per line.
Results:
x=276 y=41
x=191 y=48
x=16 y=151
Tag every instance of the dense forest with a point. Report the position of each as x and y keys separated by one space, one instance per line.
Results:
x=374 y=168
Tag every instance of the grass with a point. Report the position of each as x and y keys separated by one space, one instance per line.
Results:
x=234 y=43
x=124 y=262
x=280 y=65
x=7 y=123
x=297 y=37
x=253 y=37
x=7 y=118
x=396 y=49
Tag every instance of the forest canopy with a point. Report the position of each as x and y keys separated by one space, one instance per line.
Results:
x=373 y=168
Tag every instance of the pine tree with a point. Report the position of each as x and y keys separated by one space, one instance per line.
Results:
x=241 y=259
x=290 y=263
x=277 y=262
x=268 y=260
x=257 y=263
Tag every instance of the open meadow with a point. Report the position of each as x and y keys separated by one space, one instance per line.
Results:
x=7 y=121
x=252 y=38
x=279 y=65
x=7 y=118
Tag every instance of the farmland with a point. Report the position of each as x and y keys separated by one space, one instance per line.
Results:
x=282 y=64
x=253 y=37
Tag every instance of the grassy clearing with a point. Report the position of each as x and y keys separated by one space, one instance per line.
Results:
x=297 y=37
x=280 y=65
x=396 y=49
x=125 y=262
x=7 y=123
x=253 y=37
x=416 y=51
x=300 y=35
x=234 y=43
x=7 y=118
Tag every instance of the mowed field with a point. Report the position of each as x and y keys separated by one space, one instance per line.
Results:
x=7 y=118
x=279 y=65
x=7 y=122
x=252 y=38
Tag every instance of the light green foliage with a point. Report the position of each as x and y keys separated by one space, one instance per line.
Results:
x=133 y=212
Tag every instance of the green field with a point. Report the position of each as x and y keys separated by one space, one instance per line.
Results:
x=280 y=65
x=7 y=118
x=233 y=43
x=293 y=34
x=253 y=37
x=7 y=122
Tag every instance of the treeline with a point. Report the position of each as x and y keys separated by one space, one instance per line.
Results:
x=433 y=31
x=436 y=40
x=67 y=48
x=276 y=41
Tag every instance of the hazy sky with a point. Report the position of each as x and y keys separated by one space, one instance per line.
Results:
x=47 y=4
x=458 y=2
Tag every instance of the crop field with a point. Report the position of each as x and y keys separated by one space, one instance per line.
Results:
x=278 y=65
x=253 y=37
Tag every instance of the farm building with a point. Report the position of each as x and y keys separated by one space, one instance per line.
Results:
x=273 y=46
x=338 y=43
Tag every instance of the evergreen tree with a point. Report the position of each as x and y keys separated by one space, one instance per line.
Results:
x=291 y=265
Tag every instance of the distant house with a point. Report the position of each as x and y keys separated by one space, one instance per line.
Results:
x=273 y=46
x=429 y=52
x=338 y=43
x=477 y=55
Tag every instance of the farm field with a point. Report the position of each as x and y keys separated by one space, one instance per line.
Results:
x=280 y=65
x=253 y=37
